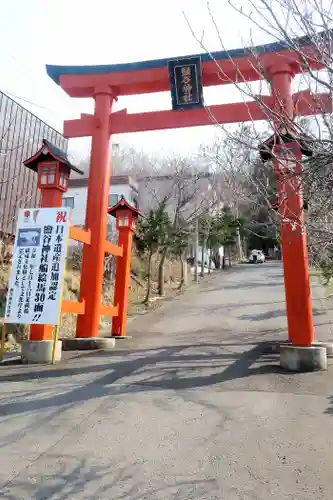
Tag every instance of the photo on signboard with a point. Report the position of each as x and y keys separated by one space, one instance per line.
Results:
x=29 y=237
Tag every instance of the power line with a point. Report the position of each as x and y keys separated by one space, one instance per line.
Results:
x=32 y=114
x=10 y=94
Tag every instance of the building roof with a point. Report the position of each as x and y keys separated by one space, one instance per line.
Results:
x=50 y=151
x=305 y=142
x=117 y=180
x=122 y=205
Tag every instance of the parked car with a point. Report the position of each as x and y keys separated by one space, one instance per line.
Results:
x=257 y=257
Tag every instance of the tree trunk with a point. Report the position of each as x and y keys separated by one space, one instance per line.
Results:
x=161 y=290
x=147 y=297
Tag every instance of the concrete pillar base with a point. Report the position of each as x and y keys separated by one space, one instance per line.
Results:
x=88 y=344
x=39 y=351
x=122 y=337
x=273 y=347
x=303 y=359
x=328 y=346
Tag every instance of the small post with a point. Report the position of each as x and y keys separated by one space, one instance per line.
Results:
x=55 y=341
x=126 y=216
x=3 y=340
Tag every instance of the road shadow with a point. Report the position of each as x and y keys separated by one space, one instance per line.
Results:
x=172 y=368
x=250 y=285
x=213 y=308
x=275 y=313
x=276 y=276
x=329 y=410
x=86 y=478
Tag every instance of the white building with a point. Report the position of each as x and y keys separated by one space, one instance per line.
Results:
x=76 y=196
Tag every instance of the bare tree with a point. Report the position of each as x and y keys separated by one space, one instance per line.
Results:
x=306 y=29
x=312 y=21
x=232 y=160
x=187 y=187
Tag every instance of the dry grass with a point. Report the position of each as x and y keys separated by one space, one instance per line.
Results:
x=137 y=292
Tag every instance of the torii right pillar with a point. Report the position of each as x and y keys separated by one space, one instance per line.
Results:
x=302 y=354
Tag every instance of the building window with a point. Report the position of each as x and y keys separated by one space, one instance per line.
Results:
x=68 y=202
x=113 y=199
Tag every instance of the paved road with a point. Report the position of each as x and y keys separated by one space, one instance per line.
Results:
x=192 y=408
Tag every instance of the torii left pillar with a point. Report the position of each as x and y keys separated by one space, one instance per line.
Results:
x=96 y=216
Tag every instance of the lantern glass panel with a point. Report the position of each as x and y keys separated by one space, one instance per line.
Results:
x=123 y=221
x=64 y=176
x=47 y=174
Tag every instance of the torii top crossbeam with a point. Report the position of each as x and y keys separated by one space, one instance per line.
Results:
x=218 y=68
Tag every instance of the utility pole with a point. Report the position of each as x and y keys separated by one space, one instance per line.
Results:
x=196 y=274
x=238 y=237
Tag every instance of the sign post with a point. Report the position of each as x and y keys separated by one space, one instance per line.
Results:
x=35 y=285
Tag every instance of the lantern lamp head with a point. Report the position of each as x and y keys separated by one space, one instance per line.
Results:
x=284 y=137
x=125 y=215
x=52 y=166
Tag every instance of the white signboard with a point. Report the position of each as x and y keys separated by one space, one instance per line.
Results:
x=34 y=291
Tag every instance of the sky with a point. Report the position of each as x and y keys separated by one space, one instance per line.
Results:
x=34 y=33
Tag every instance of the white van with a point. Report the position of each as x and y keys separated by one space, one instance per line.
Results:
x=257 y=257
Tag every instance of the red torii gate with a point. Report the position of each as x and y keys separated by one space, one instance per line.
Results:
x=108 y=82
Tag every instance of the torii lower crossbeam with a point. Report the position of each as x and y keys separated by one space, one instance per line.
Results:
x=123 y=122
